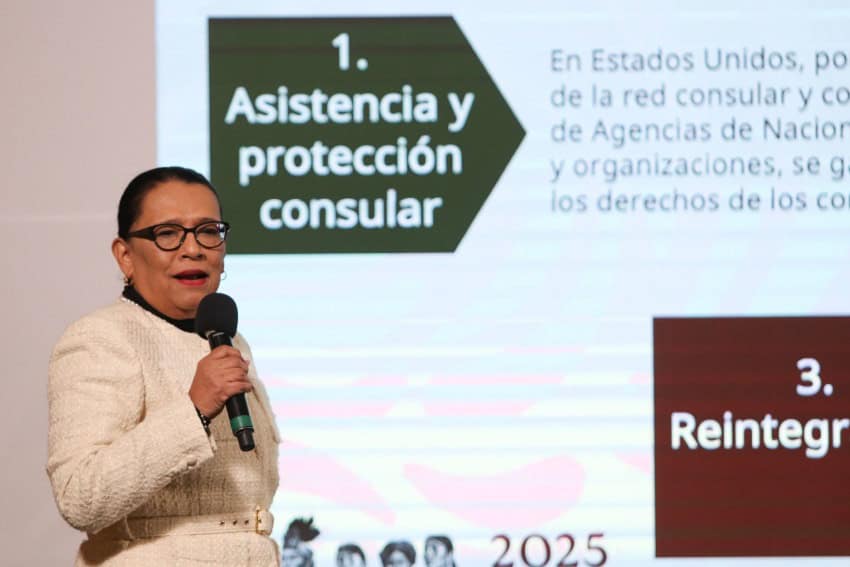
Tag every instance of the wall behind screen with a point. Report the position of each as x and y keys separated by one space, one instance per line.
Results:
x=78 y=121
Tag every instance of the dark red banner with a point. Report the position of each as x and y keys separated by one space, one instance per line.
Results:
x=752 y=436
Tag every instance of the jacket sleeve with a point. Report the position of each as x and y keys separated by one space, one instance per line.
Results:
x=106 y=456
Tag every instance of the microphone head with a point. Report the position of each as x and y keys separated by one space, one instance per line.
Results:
x=216 y=312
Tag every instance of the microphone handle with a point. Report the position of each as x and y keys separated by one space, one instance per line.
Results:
x=237 y=406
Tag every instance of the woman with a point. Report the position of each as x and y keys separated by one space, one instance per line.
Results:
x=296 y=551
x=139 y=455
x=350 y=555
x=439 y=551
x=398 y=554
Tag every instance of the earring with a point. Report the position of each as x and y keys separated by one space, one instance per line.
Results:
x=223 y=275
x=128 y=280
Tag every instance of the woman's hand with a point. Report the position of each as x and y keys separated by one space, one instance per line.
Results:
x=219 y=375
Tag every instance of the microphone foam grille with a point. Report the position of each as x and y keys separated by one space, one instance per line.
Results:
x=216 y=312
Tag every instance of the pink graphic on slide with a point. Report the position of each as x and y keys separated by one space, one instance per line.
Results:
x=382 y=381
x=476 y=408
x=640 y=378
x=641 y=461
x=328 y=409
x=307 y=470
x=522 y=498
x=497 y=379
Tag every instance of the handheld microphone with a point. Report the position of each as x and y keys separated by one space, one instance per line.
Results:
x=216 y=321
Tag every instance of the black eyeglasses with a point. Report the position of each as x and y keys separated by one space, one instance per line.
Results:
x=168 y=237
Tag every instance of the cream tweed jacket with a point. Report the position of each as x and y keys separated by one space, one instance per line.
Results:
x=126 y=447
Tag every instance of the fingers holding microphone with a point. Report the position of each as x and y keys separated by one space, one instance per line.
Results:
x=219 y=375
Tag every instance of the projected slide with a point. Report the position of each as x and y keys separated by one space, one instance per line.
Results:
x=535 y=284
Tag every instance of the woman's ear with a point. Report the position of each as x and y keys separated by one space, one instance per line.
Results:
x=121 y=251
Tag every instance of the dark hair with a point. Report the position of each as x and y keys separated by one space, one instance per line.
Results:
x=447 y=543
x=403 y=546
x=300 y=530
x=350 y=549
x=130 y=205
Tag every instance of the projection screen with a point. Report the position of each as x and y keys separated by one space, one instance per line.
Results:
x=557 y=283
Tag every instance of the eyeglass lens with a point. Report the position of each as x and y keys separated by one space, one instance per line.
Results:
x=208 y=235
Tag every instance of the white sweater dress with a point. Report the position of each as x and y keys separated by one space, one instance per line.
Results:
x=129 y=460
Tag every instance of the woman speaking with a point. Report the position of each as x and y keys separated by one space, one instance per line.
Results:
x=136 y=454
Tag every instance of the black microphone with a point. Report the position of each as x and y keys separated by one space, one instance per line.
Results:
x=216 y=322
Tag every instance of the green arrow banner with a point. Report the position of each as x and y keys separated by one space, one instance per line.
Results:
x=352 y=134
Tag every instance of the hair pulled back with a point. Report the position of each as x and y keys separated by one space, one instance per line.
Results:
x=130 y=205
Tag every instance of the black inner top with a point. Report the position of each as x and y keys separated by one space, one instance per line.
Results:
x=130 y=293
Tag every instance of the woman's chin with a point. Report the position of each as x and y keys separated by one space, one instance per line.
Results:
x=189 y=296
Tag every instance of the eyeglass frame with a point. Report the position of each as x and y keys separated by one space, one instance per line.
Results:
x=148 y=234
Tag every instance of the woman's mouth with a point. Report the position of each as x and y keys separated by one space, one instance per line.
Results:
x=192 y=277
